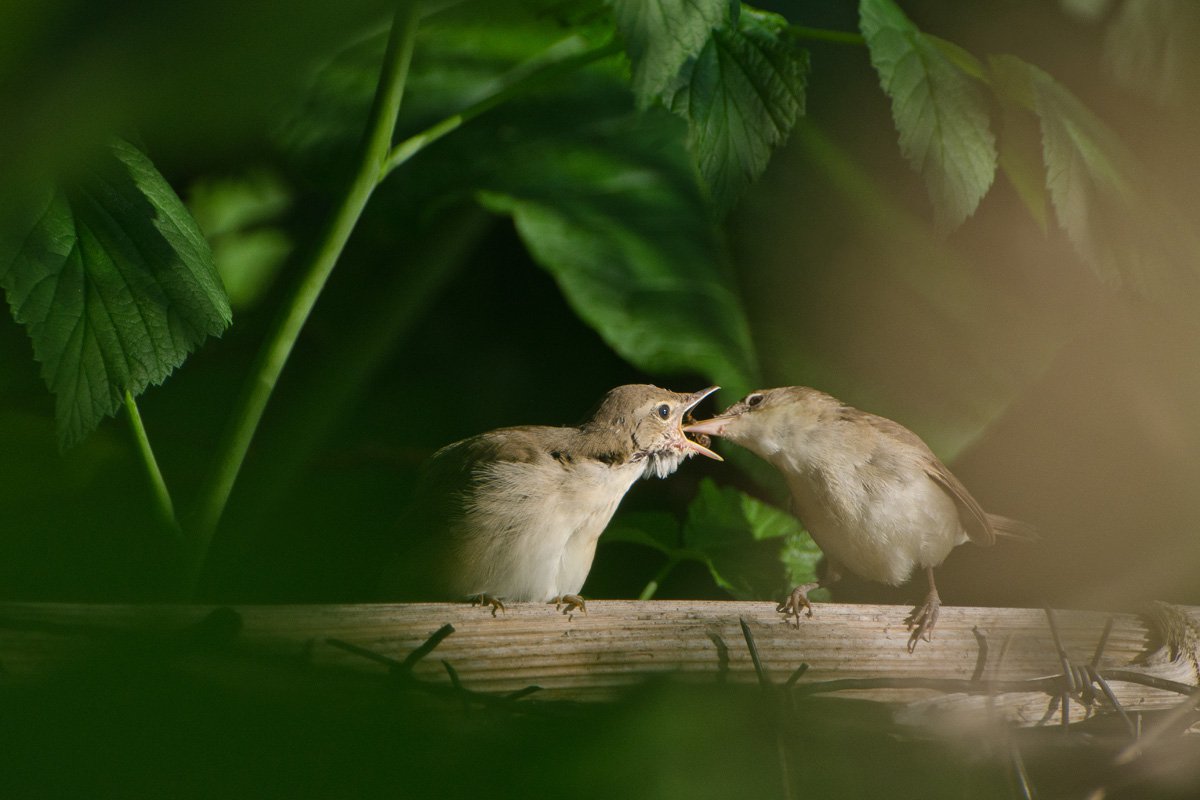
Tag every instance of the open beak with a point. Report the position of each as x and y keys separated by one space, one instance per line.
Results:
x=692 y=443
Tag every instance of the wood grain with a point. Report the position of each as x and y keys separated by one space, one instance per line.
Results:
x=618 y=644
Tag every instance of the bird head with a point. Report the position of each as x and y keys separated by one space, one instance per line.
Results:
x=647 y=421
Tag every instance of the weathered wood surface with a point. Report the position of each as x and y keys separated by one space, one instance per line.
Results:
x=617 y=644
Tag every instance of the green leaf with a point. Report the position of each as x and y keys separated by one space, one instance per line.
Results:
x=800 y=556
x=610 y=207
x=1129 y=236
x=607 y=199
x=462 y=54
x=115 y=285
x=660 y=35
x=656 y=529
x=741 y=96
x=1020 y=138
x=939 y=110
x=737 y=536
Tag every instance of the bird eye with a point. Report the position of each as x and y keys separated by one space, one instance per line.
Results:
x=664 y=410
x=754 y=400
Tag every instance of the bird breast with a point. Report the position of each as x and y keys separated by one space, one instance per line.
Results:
x=881 y=521
x=533 y=527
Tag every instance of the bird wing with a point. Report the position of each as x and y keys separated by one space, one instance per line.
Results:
x=975 y=521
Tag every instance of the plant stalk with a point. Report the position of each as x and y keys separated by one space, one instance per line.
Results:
x=271 y=360
x=660 y=576
x=158 y=486
x=826 y=35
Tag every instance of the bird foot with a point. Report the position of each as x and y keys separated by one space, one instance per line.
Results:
x=568 y=603
x=797 y=600
x=484 y=600
x=922 y=619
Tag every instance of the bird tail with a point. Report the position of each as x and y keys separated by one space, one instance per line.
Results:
x=1013 y=528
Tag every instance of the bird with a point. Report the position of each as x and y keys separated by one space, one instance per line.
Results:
x=514 y=514
x=870 y=492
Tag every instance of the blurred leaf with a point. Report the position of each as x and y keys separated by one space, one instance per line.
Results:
x=728 y=529
x=939 y=110
x=1150 y=49
x=741 y=96
x=237 y=216
x=1020 y=141
x=461 y=56
x=656 y=529
x=1126 y=234
x=800 y=556
x=660 y=35
x=115 y=284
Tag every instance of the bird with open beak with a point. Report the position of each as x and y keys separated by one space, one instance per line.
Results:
x=873 y=496
x=514 y=514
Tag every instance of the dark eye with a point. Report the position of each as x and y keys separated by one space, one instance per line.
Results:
x=664 y=410
x=754 y=400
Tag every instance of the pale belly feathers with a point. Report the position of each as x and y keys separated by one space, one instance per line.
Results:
x=879 y=533
x=538 y=545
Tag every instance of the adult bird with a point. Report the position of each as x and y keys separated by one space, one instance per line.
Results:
x=872 y=495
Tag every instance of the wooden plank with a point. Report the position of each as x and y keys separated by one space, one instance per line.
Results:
x=618 y=644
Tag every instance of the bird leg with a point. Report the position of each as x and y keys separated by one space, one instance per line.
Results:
x=571 y=602
x=484 y=600
x=798 y=597
x=924 y=617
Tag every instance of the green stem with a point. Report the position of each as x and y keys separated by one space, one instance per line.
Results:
x=560 y=59
x=825 y=35
x=162 y=496
x=659 y=577
x=274 y=355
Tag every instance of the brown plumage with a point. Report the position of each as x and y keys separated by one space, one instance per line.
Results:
x=873 y=496
x=514 y=514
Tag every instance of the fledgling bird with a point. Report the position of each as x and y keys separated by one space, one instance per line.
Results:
x=514 y=514
x=874 y=497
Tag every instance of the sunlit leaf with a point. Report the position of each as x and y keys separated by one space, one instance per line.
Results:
x=939 y=110
x=1126 y=234
x=115 y=285
x=1020 y=139
x=660 y=35
x=800 y=556
x=741 y=96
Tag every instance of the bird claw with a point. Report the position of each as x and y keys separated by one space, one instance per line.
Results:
x=568 y=603
x=484 y=600
x=922 y=619
x=796 y=600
